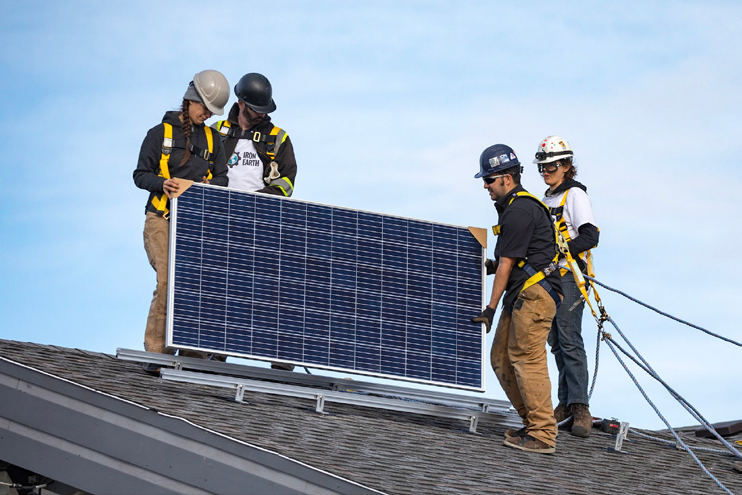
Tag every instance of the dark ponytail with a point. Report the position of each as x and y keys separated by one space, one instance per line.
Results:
x=185 y=126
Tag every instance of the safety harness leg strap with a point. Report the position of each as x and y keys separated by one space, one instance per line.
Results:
x=539 y=277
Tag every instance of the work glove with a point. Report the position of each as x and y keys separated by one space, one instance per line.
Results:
x=491 y=266
x=485 y=317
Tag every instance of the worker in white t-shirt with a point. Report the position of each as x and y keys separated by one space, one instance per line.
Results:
x=572 y=211
x=260 y=155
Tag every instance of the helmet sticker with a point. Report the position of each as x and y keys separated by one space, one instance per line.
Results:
x=494 y=161
x=512 y=156
x=504 y=158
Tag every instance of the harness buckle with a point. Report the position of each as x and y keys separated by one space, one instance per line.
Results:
x=167 y=146
x=550 y=269
x=256 y=137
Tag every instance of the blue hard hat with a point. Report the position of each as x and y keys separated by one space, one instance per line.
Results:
x=496 y=158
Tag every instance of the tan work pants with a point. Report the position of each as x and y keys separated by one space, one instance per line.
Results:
x=518 y=358
x=156 y=240
x=156 y=237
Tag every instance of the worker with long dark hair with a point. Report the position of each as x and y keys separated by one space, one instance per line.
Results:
x=181 y=146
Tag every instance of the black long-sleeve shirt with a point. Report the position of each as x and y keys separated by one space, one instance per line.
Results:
x=147 y=173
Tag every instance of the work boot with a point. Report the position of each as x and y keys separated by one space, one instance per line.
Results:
x=583 y=420
x=151 y=368
x=529 y=444
x=510 y=433
x=561 y=413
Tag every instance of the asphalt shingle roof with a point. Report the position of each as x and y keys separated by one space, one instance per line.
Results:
x=392 y=451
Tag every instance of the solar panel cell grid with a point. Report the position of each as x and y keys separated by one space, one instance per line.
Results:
x=270 y=278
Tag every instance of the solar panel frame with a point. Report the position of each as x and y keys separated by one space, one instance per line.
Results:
x=272 y=285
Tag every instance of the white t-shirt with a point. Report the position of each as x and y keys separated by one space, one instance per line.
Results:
x=578 y=210
x=245 y=170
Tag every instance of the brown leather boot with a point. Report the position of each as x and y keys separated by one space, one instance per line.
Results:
x=561 y=413
x=583 y=420
x=512 y=432
x=529 y=444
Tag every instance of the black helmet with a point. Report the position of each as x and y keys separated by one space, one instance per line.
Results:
x=497 y=158
x=255 y=91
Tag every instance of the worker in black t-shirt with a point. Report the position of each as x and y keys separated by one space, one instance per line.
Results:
x=527 y=274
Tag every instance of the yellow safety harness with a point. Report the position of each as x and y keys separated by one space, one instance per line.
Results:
x=563 y=238
x=160 y=202
x=534 y=276
x=561 y=225
x=273 y=142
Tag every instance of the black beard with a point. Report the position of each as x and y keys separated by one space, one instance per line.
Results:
x=251 y=122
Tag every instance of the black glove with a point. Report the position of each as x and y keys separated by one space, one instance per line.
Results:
x=485 y=317
x=491 y=266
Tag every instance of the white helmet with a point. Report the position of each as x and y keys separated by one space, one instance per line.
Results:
x=213 y=89
x=553 y=148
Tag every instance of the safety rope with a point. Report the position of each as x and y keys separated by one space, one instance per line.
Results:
x=595 y=374
x=644 y=365
x=662 y=312
x=597 y=362
x=688 y=407
x=609 y=343
x=600 y=320
x=675 y=444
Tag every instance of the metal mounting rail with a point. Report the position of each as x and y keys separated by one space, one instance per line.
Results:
x=338 y=384
x=323 y=396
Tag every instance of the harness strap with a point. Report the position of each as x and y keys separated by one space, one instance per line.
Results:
x=576 y=272
x=272 y=140
x=562 y=240
x=278 y=136
x=226 y=129
x=210 y=141
x=205 y=154
x=160 y=203
x=558 y=213
x=539 y=277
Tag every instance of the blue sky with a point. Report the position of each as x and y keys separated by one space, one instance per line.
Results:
x=389 y=105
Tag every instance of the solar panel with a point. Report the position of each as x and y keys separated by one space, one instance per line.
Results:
x=279 y=279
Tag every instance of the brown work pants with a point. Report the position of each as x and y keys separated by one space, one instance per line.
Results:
x=156 y=243
x=156 y=237
x=518 y=358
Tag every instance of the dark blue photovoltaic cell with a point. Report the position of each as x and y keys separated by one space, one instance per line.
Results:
x=262 y=277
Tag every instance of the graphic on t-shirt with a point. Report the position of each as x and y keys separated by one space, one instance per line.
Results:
x=247 y=158
x=250 y=176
